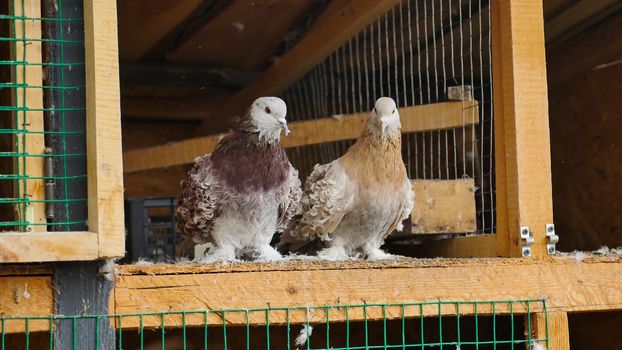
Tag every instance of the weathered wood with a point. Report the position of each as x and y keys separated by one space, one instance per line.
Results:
x=552 y=326
x=26 y=296
x=105 y=168
x=444 y=206
x=79 y=289
x=341 y=20
x=144 y=24
x=436 y=116
x=50 y=246
x=577 y=18
x=31 y=117
x=560 y=281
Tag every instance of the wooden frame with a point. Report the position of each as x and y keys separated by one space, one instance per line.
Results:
x=522 y=146
x=106 y=236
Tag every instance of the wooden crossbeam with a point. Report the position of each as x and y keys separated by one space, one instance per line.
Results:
x=164 y=287
x=341 y=20
x=435 y=116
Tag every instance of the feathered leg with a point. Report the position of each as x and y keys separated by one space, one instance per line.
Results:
x=268 y=253
x=372 y=251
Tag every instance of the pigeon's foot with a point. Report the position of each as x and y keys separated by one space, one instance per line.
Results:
x=377 y=254
x=268 y=253
x=218 y=254
x=333 y=253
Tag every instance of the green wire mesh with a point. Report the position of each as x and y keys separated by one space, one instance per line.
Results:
x=426 y=325
x=63 y=111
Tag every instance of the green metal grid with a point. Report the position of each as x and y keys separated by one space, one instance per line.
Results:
x=503 y=324
x=15 y=179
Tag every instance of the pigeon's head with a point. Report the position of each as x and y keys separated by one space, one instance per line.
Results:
x=267 y=117
x=385 y=118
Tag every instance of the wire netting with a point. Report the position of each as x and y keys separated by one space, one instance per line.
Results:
x=415 y=54
x=42 y=123
x=504 y=324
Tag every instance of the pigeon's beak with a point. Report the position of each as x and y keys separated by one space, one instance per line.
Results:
x=384 y=123
x=283 y=124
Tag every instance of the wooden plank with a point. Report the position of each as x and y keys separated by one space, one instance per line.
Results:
x=577 y=18
x=47 y=246
x=144 y=24
x=444 y=206
x=444 y=115
x=29 y=50
x=340 y=21
x=26 y=296
x=561 y=281
x=552 y=326
x=105 y=165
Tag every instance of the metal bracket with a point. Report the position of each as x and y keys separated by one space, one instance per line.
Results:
x=551 y=239
x=528 y=240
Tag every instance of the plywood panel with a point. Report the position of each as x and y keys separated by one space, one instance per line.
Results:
x=26 y=296
x=444 y=206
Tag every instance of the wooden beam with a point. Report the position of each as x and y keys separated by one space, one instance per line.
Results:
x=154 y=108
x=135 y=73
x=444 y=206
x=560 y=281
x=552 y=326
x=340 y=21
x=18 y=247
x=445 y=115
x=31 y=118
x=104 y=163
x=578 y=18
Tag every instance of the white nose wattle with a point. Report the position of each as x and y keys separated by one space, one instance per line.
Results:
x=283 y=124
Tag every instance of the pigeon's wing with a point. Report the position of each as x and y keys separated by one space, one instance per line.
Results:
x=325 y=202
x=198 y=205
x=406 y=204
x=291 y=204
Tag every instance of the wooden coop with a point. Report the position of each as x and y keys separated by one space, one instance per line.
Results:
x=101 y=102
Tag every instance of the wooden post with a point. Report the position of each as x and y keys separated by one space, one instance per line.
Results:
x=552 y=326
x=105 y=168
x=30 y=118
x=81 y=290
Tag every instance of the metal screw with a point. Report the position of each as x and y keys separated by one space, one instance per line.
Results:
x=551 y=228
x=525 y=231
x=551 y=250
x=527 y=252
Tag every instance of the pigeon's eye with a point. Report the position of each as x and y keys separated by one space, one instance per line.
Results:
x=267 y=110
x=394 y=111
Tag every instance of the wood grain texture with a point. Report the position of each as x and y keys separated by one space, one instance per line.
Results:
x=30 y=50
x=48 y=247
x=444 y=206
x=554 y=326
x=340 y=21
x=26 y=296
x=436 y=116
x=105 y=165
x=562 y=282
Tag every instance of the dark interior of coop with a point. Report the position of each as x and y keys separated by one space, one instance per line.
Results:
x=185 y=66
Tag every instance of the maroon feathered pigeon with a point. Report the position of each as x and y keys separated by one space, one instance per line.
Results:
x=238 y=197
